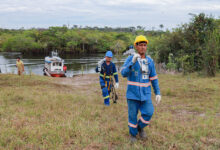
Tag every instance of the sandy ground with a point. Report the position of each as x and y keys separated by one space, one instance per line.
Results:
x=87 y=84
x=79 y=80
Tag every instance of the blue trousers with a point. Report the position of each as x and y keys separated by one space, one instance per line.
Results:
x=146 y=108
x=106 y=93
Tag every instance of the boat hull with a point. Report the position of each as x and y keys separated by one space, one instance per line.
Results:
x=54 y=73
x=57 y=75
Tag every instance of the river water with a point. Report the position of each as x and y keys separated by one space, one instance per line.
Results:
x=76 y=64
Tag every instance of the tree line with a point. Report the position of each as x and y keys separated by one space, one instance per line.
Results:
x=192 y=47
x=70 y=40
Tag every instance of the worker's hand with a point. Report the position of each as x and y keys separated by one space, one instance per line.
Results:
x=99 y=68
x=135 y=57
x=101 y=61
x=100 y=64
x=116 y=85
x=158 y=99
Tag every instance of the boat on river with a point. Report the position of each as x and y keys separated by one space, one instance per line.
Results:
x=54 y=66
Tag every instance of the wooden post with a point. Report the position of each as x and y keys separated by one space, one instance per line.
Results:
x=82 y=69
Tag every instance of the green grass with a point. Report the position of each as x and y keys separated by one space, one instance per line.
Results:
x=37 y=112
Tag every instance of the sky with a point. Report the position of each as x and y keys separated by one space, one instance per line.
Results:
x=15 y=14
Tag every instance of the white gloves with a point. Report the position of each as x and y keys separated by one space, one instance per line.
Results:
x=101 y=61
x=158 y=99
x=99 y=68
x=100 y=64
x=135 y=57
x=116 y=85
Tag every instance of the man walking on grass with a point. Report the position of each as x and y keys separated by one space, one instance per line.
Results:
x=107 y=69
x=141 y=74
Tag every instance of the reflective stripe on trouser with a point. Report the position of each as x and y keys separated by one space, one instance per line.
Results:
x=146 y=108
x=105 y=94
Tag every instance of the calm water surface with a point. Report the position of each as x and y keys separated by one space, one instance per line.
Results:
x=35 y=64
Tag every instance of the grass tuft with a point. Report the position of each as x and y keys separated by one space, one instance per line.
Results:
x=38 y=112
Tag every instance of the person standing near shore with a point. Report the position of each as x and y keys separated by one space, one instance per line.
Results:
x=141 y=74
x=20 y=66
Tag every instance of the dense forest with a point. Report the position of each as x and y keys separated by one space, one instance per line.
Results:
x=191 y=47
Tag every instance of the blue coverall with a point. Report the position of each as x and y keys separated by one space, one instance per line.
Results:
x=139 y=92
x=105 y=76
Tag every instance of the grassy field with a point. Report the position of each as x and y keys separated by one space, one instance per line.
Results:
x=38 y=112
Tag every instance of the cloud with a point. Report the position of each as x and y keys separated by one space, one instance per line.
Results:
x=102 y=13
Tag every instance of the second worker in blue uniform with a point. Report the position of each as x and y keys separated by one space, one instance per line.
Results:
x=107 y=70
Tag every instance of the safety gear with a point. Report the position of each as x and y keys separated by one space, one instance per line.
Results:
x=100 y=64
x=101 y=61
x=109 y=54
x=158 y=99
x=144 y=65
x=146 y=108
x=136 y=56
x=106 y=73
x=140 y=38
x=138 y=88
x=133 y=139
x=144 y=68
x=139 y=92
x=99 y=68
x=116 y=85
x=141 y=132
x=105 y=94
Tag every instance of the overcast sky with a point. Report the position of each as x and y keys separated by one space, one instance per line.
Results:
x=115 y=13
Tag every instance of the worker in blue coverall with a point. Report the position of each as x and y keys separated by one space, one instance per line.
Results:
x=107 y=69
x=141 y=74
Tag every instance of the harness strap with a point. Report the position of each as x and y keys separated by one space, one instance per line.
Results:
x=110 y=76
x=109 y=83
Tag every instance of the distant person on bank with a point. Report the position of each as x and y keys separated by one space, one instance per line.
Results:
x=20 y=66
x=141 y=74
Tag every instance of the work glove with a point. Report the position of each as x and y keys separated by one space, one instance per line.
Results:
x=100 y=64
x=116 y=85
x=158 y=99
x=135 y=57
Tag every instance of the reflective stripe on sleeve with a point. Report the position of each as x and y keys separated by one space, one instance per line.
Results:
x=153 y=78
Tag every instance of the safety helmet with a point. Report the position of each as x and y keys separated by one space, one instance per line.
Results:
x=140 y=38
x=109 y=54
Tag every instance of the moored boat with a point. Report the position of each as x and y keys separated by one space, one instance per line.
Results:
x=54 y=66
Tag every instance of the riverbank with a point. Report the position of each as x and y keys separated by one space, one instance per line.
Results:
x=81 y=64
x=38 y=112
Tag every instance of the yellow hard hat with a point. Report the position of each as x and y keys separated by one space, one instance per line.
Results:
x=140 y=38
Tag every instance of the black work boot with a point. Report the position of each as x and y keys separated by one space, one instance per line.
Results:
x=141 y=132
x=133 y=139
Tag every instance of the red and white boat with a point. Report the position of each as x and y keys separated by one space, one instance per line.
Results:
x=54 y=66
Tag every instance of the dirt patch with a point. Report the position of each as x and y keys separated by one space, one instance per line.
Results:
x=79 y=80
